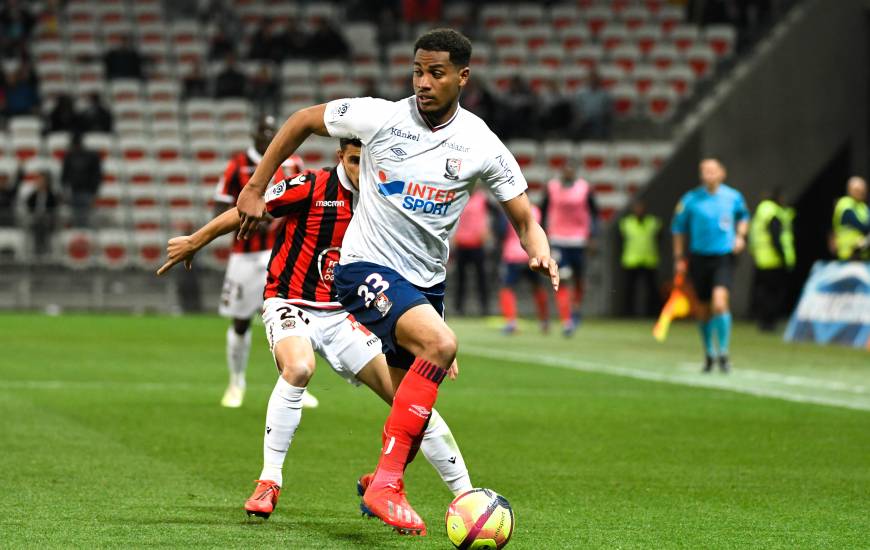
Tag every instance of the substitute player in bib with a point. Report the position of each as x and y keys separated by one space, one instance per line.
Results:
x=242 y=292
x=514 y=267
x=302 y=317
x=714 y=218
x=421 y=159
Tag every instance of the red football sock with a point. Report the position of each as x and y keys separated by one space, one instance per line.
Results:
x=508 y=301
x=542 y=304
x=404 y=428
x=563 y=302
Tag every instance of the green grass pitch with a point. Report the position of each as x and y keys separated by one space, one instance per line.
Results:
x=111 y=436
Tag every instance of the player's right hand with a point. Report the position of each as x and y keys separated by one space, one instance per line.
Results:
x=252 y=208
x=178 y=249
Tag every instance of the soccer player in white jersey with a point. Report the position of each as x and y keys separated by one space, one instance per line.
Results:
x=421 y=159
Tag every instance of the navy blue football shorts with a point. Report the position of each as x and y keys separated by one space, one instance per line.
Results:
x=377 y=296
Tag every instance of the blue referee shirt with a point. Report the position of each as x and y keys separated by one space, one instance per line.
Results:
x=710 y=219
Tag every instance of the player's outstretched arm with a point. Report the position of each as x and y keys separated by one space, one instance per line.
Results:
x=532 y=237
x=182 y=249
x=292 y=134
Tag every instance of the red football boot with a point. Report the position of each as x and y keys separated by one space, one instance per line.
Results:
x=264 y=499
x=391 y=506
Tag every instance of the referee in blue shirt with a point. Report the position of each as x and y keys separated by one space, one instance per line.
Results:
x=715 y=220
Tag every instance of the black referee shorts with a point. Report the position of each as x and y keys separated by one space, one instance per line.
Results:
x=707 y=272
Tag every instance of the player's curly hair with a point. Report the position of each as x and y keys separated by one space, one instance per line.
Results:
x=446 y=40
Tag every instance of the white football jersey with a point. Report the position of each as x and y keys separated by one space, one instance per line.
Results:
x=415 y=180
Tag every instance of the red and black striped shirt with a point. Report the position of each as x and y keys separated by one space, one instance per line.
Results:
x=317 y=207
x=239 y=170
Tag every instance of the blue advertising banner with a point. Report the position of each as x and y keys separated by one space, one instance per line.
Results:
x=834 y=306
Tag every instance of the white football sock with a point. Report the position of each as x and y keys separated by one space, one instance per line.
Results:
x=238 y=348
x=440 y=449
x=282 y=418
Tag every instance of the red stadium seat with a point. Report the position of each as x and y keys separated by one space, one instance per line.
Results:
x=626 y=56
x=215 y=254
x=597 y=18
x=147 y=218
x=557 y=153
x=645 y=77
x=140 y=173
x=58 y=143
x=593 y=156
x=589 y=55
x=513 y=55
x=168 y=149
x=610 y=74
x=536 y=176
x=684 y=37
x=26 y=147
x=574 y=77
x=200 y=110
x=659 y=152
x=634 y=17
x=701 y=59
x=605 y=181
x=625 y=100
x=635 y=180
x=149 y=249
x=664 y=55
x=330 y=72
x=109 y=206
x=113 y=249
x=536 y=36
x=722 y=39
x=180 y=196
x=669 y=17
x=494 y=15
x=573 y=36
x=613 y=36
x=78 y=248
x=661 y=103
x=505 y=35
x=564 y=16
x=525 y=151
x=135 y=148
x=681 y=79
x=629 y=155
x=647 y=37
x=101 y=143
x=178 y=173
x=125 y=90
x=529 y=15
x=184 y=220
x=206 y=149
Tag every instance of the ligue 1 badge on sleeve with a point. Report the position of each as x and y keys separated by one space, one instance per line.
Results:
x=451 y=170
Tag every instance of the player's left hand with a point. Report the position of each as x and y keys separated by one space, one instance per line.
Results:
x=179 y=249
x=547 y=266
x=453 y=371
x=252 y=208
x=739 y=244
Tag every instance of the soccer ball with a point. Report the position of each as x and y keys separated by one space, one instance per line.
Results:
x=480 y=518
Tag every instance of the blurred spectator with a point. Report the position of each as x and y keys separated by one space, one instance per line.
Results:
x=62 y=117
x=289 y=41
x=519 y=106
x=554 y=111
x=263 y=91
x=771 y=241
x=571 y=219
x=40 y=202
x=477 y=99
x=261 y=43
x=472 y=233
x=9 y=187
x=195 y=83
x=96 y=117
x=595 y=110
x=16 y=24
x=640 y=258
x=852 y=222
x=124 y=61
x=221 y=46
x=81 y=177
x=22 y=91
x=230 y=82
x=326 y=42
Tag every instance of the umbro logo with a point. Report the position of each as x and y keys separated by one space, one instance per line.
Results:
x=452 y=460
x=419 y=410
x=398 y=151
x=268 y=429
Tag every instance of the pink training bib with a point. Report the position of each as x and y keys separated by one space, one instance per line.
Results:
x=512 y=251
x=568 y=220
x=473 y=223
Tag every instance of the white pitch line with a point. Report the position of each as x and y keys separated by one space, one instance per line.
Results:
x=697 y=381
x=786 y=379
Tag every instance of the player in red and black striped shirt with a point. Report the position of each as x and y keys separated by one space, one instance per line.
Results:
x=242 y=292
x=301 y=316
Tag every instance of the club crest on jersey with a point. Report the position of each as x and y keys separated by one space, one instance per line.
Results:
x=383 y=304
x=451 y=169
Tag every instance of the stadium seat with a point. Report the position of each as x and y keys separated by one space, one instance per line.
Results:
x=48 y=51
x=597 y=18
x=525 y=151
x=149 y=249
x=167 y=149
x=604 y=181
x=130 y=110
x=179 y=196
x=593 y=155
x=550 y=55
x=625 y=100
x=215 y=254
x=184 y=220
x=669 y=17
x=318 y=152
x=190 y=51
x=557 y=153
x=400 y=53
x=125 y=90
x=140 y=173
x=146 y=218
x=659 y=152
x=626 y=56
x=536 y=36
x=209 y=173
x=564 y=16
x=53 y=71
x=628 y=155
x=84 y=50
x=109 y=206
x=177 y=173
x=166 y=129
x=233 y=109
x=722 y=39
x=634 y=17
x=681 y=78
x=130 y=128
x=25 y=126
x=89 y=72
x=205 y=149
x=78 y=248
x=645 y=76
x=114 y=32
x=13 y=245
x=296 y=71
x=610 y=74
x=5 y=146
x=163 y=92
x=57 y=144
x=701 y=59
x=200 y=109
x=113 y=249
x=505 y=35
x=613 y=36
x=536 y=176
x=635 y=180
x=319 y=10
x=589 y=55
x=647 y=37
x=664 y=55
x=610 y=204
x=494 y=15
x=113 y=172
x=515 y=55
x=236 y=129
x=661 y=103
x=528 y=15
x=81 y=12
x=684 y=37
x=573 y=36
x=235 y=145
x=330 y=72
x=26 y=147
x=135 y=148
x=574 y=77
x=538 y=76
x=362 y=74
